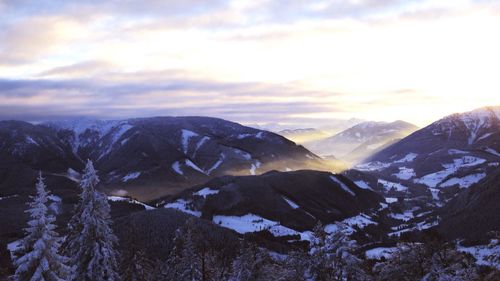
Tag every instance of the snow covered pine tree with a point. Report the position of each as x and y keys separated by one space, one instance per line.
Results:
x=40 y=260
x=91 y=242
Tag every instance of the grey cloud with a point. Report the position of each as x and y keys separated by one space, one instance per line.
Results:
x=110 y=100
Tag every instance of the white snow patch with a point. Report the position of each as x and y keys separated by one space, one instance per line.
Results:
x=378 y=253
x=342 y=185
x=405 y=173
x=190 y=164
x=54 y=198
x=464 y=182
x=186 y=135
x=129 y=200
x=432 y=180
x=72 y=175
x=492 y=151
x=201 y=142
x=390 y=200
x=484 y=254
x=392 y=185
x=405 y=216
x=435 y=193
x=360 y=220
x=291 y=203
x=408 y=158
x=253 y=223
x=206 y=192
x=217 y=164
x=122 y=130
x=183 y=206
x=131 y=176
x=176 y=166
x=30 y=140
x=254 y=167
x=372 y=166
x=363 y=185
x=456 y=151
x=7 y=197
x=242 y=136
x=13 y=247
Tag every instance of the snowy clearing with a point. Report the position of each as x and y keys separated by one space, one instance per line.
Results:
x=183 y=206
x=464 y=182
x=206 y=192
x=405 y=173
x=392 y=185
x=363 y=185
x=253 y=223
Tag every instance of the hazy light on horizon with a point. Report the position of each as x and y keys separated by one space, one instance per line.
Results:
x=249 y=61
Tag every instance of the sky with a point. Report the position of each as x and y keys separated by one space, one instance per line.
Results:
x=301 y=63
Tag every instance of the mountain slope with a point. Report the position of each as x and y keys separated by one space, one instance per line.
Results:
x=146 y=158
x=362 y=140
x=286 y=203
x=452 y=153
x=474 y=212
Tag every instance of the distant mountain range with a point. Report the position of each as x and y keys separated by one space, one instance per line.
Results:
x=362 y=140
x=303 y=135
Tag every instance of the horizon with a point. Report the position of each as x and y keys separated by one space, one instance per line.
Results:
x=342 y=123
x=251 y=62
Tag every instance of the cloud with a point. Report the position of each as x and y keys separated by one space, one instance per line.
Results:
x=110 y=99
x=27 y=40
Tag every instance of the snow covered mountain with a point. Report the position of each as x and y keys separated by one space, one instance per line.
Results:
x=303 y=135
x=283 y=203
x=361 y=140
x=160 y=155
x=452 y=153
x=431 y=166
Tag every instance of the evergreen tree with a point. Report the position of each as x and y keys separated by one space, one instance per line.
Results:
x=91 y=242
x=295 y=266
x=40 y=260
x=185 y=263
x=332 y=256
x=135 y=265
x=253 y=264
